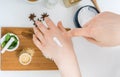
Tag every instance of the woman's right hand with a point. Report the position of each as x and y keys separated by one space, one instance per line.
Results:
x=103 y=30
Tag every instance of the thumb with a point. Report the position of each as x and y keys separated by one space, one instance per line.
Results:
x=80 y=32
x=60 y=26
x=92 y=40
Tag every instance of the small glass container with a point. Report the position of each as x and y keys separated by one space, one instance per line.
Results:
x=25 y=56
x=69 y=3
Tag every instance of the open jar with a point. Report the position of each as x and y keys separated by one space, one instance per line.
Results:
x=33 y=1
x=25 y=56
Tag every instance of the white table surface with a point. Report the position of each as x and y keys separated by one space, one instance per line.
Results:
x=94 y=61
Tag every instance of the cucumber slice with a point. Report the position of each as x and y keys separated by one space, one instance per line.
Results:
x=7 y=38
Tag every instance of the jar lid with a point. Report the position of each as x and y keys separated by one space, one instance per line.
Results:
x=25 y=58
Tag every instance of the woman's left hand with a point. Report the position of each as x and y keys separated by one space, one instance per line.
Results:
x=44 y=39
x=55 y=43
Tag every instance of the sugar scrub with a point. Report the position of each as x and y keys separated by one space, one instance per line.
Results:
x=25 y=56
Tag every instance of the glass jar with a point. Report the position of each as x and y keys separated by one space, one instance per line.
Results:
x=69 y=3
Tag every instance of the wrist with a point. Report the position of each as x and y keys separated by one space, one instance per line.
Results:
x=64 y=57
x=68 y=65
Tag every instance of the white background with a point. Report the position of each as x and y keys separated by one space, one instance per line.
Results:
x=94 y=61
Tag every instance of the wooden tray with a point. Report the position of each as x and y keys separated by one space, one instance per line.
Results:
x=9 y=60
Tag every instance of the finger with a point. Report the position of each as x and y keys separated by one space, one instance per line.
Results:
x=60 y=26
x=80 y=32
x=94 y=41
x=50 y=23
x=41 y=27
x=86 y=25
x=39 y=35
x=37 y=42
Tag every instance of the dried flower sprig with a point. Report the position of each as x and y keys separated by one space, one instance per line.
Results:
x=44 y=15
x=32 y=18
x=42 y=18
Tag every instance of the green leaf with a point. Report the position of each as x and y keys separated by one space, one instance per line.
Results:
x=3 y=44
x=7 y=38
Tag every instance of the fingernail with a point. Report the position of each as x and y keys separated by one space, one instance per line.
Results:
x=36 y=22
x=46 y=18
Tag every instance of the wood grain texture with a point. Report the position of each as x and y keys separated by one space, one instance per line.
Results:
x=9 y=60
x=96 y=5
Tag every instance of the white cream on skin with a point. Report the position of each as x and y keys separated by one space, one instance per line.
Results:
x=55 y=39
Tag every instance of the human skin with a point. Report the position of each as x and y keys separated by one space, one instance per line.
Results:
x=102 y=30
x=64 y=56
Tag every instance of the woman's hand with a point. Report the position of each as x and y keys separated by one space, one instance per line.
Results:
x=44 y=39
x=103 y=30
x=55 y=43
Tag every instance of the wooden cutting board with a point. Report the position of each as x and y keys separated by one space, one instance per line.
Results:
x=9 y=60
